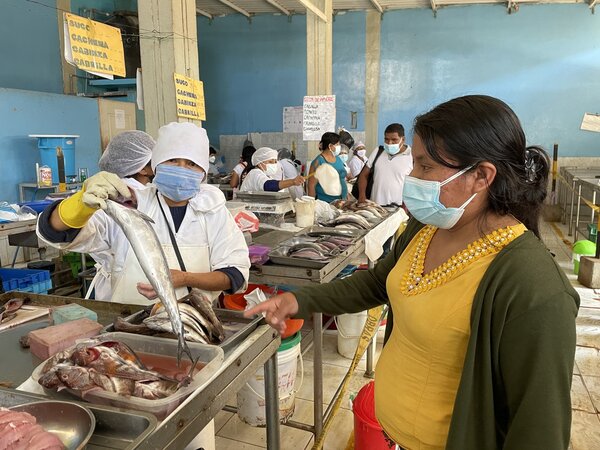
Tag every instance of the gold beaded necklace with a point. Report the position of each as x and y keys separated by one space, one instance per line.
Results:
x=415 y=282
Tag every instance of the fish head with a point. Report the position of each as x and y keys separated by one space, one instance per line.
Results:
x=75 y=377
x=83 y=356
x=50 y=379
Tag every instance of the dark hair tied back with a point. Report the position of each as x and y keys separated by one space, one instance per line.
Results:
x=469 y=130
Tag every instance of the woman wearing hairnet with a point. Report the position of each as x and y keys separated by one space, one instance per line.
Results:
x=357 y=162
x=212 y=247
x=128 y=155
x=262 y=176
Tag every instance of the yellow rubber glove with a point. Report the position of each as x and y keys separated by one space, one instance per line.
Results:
x=76 y=210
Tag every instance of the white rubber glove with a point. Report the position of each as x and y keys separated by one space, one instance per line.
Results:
x=101 y=186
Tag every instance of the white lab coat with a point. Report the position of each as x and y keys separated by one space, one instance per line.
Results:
x=207 y=222
x=255 y=181
x=356 y=165
x=290 y=171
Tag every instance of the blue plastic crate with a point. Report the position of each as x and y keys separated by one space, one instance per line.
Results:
x=38 y=206
x=26 y=280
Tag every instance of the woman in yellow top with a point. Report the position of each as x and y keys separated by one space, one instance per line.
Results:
x=481 y=352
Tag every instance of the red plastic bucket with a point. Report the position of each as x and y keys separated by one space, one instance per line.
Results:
x=368 y=434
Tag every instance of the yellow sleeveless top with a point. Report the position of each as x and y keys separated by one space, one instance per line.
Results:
x=420 y=367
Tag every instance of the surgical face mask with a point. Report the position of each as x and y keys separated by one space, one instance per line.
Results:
x=177 y=183
x=344 y=157
x=212 y=159
x=271 y=169
x=361 y=153
x=422 y=198
x=391 y=149
x=337 y=149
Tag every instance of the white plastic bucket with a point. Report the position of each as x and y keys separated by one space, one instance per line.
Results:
x=251 y=397
x=305 y=212
x=350 y=327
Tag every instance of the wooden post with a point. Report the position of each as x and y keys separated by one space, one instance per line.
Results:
x=319 y=56
x=168 y=45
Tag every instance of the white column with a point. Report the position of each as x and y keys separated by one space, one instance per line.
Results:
x=168 y=44
x=319 y=60
x=372 y=66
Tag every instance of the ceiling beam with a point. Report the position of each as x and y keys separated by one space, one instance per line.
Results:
x=308 y=4
x=235 y=7
x=274 y=4
x=204 y=13
x=377 y=6
x=434 y=7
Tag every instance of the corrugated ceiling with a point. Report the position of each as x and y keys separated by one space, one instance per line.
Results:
x=216 y=8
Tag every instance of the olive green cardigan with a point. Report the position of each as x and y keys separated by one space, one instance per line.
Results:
x=514 y=392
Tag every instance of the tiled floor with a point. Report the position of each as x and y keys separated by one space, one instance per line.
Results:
x=232 y=434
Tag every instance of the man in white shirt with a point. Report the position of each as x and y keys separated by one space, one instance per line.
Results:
x=387 y=167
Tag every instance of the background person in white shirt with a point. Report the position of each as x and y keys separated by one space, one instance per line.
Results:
x=389 y=167
x=357 y=162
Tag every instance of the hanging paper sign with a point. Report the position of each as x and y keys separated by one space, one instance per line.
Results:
x=318 y=116
x=93 y=46
x=292 y=119
x=189 y=95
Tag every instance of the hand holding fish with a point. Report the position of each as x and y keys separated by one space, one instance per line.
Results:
x=146 y=289
x=98 y=188
x=276 y=310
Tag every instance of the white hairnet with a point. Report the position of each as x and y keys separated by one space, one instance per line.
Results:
x=263 y=154
x=359 y=146
x=181 y=140
x=127 y=153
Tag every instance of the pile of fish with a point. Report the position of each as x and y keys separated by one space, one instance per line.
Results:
x=200 y=323
x=20 y=431
x=109 y=366
x=320 y=249
x=360 y=216
x=137 y=227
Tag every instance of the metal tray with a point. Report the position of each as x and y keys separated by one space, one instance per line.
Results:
x=262 y=196
x=279 y=254
x=115 y=428
x=247 y=326
x=316 y=231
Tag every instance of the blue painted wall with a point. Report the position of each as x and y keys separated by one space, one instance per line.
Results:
x=29 y=46
x=251 y=70
x=25 y=112
x=544 y=61
x=349 y=61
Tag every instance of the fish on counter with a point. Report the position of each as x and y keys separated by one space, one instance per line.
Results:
x=109 y=366
x=20 y=431
x=8 y=311
x=149 y=252
x=355 y=206
x=200 y=323
x=322 y=249
x=350 y=220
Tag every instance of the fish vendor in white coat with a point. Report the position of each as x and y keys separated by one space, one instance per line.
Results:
x=262 y=176
x=186 y=212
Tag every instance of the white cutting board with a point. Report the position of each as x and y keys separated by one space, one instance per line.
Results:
x=24 y=315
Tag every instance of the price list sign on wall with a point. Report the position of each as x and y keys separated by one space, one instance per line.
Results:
x=93 y=46
x=189 y=95
x=318 y=116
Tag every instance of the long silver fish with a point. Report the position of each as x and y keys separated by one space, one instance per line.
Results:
x=199 y=301
x=146 y=246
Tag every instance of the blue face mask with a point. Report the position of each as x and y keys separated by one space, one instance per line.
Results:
x=344 y=157
x=177 y=183
x=422 y=198
x=391 y=149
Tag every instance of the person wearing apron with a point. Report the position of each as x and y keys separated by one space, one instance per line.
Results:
x=212 y=247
